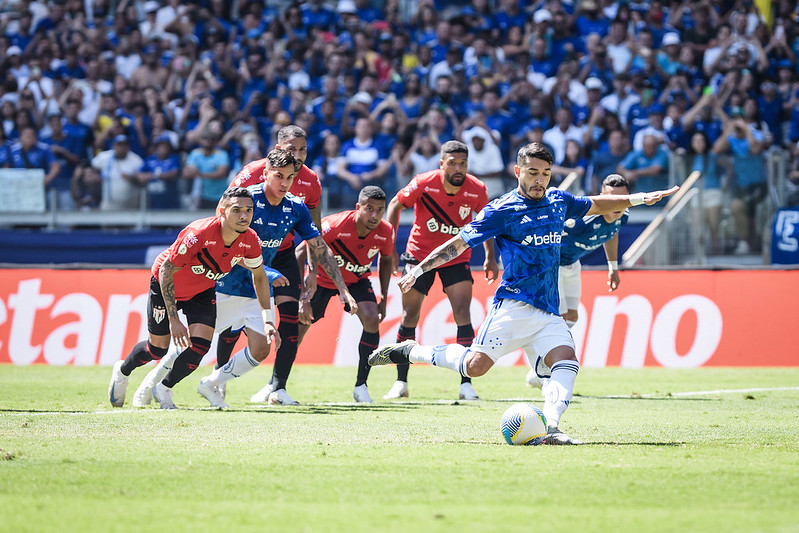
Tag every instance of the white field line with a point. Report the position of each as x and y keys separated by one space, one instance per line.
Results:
x=727 y=391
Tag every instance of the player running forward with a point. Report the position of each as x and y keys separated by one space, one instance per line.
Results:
x=184 y=277
x=276 y=214
x=580 y=237
x=527 y=224
x=443 y=200
x=308 y=189
x=355 y=238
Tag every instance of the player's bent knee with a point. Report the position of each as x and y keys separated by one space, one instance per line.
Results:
x=156 y=352
x=478 y=364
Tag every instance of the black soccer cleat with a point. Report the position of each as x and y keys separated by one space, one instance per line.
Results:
x=392 y=354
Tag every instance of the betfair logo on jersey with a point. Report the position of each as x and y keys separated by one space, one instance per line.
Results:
x=271 y=243
x=434 y=226
x=541 y=240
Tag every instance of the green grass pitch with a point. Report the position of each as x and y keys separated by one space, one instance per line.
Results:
x=699 y=450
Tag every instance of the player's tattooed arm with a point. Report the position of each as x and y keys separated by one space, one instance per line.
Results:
x=441 y=255
x=166 y=278
x=324 y=257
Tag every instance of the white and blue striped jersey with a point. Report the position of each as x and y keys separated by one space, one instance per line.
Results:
x=272 y=223
x=586 y=235
x=528 y=236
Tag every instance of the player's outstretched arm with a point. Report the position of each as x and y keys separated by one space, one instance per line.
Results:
x=612 y=253
x=608 y=203
x=393 y=216
x=166 y=279
x=260 y=282
x=441 y=255
x=490 y=265
x=324 y=256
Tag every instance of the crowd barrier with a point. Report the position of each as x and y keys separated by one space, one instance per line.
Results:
x=676 y=319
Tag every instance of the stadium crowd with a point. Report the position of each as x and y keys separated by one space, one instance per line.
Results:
x=173 y=97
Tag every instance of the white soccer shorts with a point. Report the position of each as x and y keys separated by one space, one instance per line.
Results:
x=512 y=324
x=238 y=312
x=569 y=286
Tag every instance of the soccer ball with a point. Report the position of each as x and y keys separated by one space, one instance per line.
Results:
x=523 y=424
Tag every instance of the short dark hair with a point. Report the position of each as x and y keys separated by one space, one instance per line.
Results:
x=277 y=157
x=454 y=147
x=290 y=132
x=534 y=150
x=236 y=192
x=615 y=180
x=372 y=192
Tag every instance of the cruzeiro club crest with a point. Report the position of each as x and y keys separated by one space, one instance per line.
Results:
x=159 y=313
x=464 y=211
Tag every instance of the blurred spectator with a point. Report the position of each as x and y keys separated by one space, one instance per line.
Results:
x=646 y=169
x=573 y=161
x=562 y=131
x=703 y=159
x=745 y=144
x=87 y=186
x=161 y=174
x=606 y=159
x=485 y=158
x=423 y=155
x=28 y=152
x=119 y=168
x=362 y=162
x=208 y=166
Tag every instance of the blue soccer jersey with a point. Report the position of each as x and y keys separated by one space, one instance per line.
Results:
x=586 y=234
x=528 y=235
x=272 y=223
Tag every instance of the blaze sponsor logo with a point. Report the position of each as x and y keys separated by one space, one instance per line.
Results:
x=159 y=313
x=434 y=226
x=197 y=269
x=208 y=273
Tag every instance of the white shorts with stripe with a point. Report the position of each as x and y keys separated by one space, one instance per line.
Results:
x=512 y=324
x=569 y=286
x=237 y=312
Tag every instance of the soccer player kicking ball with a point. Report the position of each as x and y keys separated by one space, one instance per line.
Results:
x=355 y=238
x=444 y=200
x=184 y=277
x=276 y=214
x=527 y=224
x=580 y=237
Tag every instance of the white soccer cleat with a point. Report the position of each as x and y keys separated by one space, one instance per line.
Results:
x=222 y=390
x=143 y=395
x=211 y=393
x=281 y=397
x=533 y=380
x=262 y=396
x=466 y=392
x=118 y=386
x=398 y=390
x=556 y=437
x=361 y=394
x=163 y=395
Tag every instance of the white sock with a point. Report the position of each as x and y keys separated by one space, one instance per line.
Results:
x=159 y=372
x=558 y=392
x=238 y=365
x=451 y=356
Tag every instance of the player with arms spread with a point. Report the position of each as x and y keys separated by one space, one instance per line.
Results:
x=527 y=224
x=355 y=237
x=444 y=200
x=307 y=188
x=184 y=277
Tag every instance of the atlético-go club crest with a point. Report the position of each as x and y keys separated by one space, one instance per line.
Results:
x=464 y=211
x=159 y=313
x=372 y=252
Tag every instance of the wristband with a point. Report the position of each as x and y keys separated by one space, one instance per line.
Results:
x=613 y=266
x=416 y=272
x=268 y=315
x=637 y=198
